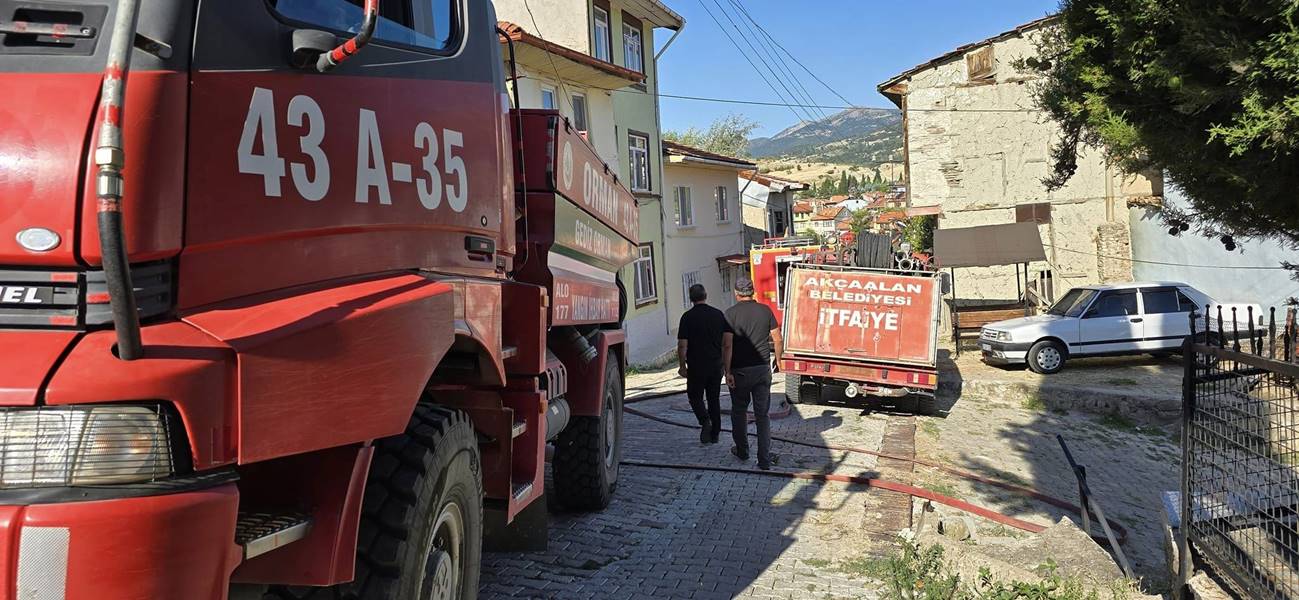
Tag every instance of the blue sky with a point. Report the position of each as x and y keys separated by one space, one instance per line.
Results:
x=851 y=44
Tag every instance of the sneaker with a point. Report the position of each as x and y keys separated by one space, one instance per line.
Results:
x=735 y=451
x=715 y=437
x=771 y=460
x=705 y=435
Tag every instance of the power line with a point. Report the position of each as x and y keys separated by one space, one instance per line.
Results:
x=788 y=70
x=800 y=63
x=748 y=60
x=835 y=106
x=748 y=42
x=795 y=83
x=1168 y=264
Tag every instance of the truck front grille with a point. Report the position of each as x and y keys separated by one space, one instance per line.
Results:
x=76 y=299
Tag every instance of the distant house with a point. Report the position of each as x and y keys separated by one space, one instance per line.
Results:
x=705 y=240
x=767 y=205
x=826 y=220
x=976 y=149
x=853 y=205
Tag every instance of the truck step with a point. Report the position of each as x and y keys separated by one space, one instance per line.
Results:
x=522 y=491
x=260 y=533
x=520 y=427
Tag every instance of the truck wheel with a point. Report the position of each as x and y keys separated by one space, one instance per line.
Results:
x=422 y=519
x=1046 y=357
x=589 y=449
x=926 y=405
x=792 y=389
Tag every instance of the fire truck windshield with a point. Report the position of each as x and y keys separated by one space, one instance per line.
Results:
x=429 y=25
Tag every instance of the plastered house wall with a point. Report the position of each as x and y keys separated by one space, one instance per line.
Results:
x=980 y=148
x=697 y=247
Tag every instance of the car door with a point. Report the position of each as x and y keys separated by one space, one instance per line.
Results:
x=1165 y=317
x=1113 y=323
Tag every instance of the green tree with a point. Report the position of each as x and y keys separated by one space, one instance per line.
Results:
x=727 y=135
x=812 y=235
x=1204 y=90
x=843 y=183
x=862 y=219
x=919 y=232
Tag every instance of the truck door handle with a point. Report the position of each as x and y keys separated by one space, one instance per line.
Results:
x=1136 y=320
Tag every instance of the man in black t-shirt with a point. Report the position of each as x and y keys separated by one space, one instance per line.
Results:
x=703 y=346
x=756 y=340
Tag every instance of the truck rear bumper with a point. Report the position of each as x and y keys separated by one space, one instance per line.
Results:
x=896 y=376
x=149 y=547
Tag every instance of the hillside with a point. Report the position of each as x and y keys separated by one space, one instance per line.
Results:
x=864 y=137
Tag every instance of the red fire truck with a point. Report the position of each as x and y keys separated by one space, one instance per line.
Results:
x=290 y=296
x=854 y=332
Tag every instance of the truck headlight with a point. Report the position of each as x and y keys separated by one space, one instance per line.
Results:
x=82 y=445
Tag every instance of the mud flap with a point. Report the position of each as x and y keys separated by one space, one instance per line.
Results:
x=529 y=532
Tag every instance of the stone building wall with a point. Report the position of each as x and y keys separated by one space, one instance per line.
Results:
x=980 y=148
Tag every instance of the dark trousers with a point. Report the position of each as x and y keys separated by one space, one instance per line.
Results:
x=752 y=385
x=704 y=381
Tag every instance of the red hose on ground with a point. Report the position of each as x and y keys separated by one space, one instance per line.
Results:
x=1119 y=531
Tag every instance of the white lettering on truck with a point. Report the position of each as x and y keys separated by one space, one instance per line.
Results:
x=372 y=171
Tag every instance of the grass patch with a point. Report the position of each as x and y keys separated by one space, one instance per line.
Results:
x=1122 y=381
x=928 y=426
x=940 y=487
x=915 y=573
x=816 y=563
x=864 y=566
x=1034 y=403
x=1118 y=423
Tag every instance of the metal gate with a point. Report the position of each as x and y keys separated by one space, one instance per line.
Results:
x=1240 y=451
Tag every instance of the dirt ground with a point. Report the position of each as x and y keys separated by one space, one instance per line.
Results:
x=1128 y=465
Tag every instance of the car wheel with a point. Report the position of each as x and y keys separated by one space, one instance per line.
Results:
x=1046 y=357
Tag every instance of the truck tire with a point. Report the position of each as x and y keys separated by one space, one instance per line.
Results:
x=792 y=389
x=421 y=522
x=588 y=451
x=1047 y=357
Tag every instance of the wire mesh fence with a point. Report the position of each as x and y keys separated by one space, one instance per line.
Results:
x=1240 y=479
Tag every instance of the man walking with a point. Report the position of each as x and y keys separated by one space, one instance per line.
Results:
x=748 y=373
x=703 y=346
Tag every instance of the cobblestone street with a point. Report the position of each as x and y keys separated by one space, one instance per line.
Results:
x=696 y=534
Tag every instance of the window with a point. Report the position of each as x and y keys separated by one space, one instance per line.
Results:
x=600 y=26
x=1161 y=301
x=723 y=210
x=683 y=210
x=688 y=279
x=646 y=291
x=1073 y=303
x=981 y=64
x=1185 y=303
x=632 y=56
x=548 y=98
x=777 y=222
x=579 y=112
x=1033 y=213
x=1114 y=304
x=728 y=281
x=422 y=23
x=638 y=156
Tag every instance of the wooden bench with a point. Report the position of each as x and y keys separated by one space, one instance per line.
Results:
x=966 y=319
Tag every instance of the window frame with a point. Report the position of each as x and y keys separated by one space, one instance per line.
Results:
x=643 y=258
x=554 y=97
x=1100 y=298
x=455 y=42
x=632 y=171
x=677 y=213
x=721 y=204
x=585 y=126
x=689 y=278
x=631 y=24
x=608 y=32
x=1145 y=306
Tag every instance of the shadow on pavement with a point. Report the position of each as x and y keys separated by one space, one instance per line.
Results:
x=690 y=533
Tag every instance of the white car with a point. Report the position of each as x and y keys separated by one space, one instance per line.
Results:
x=1126 y=318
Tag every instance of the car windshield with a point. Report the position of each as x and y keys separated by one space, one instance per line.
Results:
x=1073 y=303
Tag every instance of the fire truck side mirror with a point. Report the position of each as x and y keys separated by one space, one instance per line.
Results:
x=308 y=45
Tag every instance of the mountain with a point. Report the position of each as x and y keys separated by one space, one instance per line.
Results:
x=856 y=136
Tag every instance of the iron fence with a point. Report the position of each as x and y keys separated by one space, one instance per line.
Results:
x=1240 y=445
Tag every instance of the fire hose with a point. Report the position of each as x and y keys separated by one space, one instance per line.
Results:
x=874 y=482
